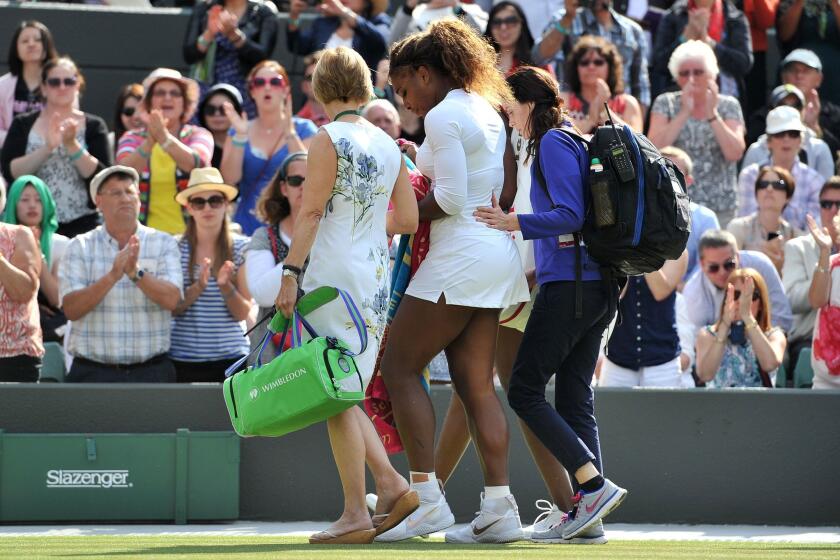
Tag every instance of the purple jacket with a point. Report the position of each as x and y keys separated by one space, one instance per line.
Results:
x=565 y=166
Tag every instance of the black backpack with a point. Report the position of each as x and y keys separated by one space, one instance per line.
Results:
x=649 y=201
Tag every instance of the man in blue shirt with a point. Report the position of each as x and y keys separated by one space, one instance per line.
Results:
x=571 y=22
x=719 y=256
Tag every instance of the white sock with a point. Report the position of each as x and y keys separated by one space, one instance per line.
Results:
x=494 y=492
x=426 y=488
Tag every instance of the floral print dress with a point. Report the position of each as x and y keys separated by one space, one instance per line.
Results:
x=351 y=248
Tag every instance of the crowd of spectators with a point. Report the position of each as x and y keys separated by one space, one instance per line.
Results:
x=153 y=269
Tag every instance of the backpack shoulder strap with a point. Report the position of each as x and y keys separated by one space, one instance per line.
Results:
x=540 y=176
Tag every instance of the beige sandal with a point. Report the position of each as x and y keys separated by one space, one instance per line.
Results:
x=403 y=507
x=362 y=536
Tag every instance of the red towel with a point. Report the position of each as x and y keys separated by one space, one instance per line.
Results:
x=377 y=401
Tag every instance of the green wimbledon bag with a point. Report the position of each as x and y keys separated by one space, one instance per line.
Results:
x=300 y=386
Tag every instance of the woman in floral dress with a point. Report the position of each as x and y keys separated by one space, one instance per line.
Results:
x=354 y=170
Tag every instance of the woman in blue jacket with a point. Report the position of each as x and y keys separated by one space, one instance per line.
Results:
x=361 y=25
x=556 y=340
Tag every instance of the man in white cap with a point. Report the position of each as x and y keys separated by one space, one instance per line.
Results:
x=785 y=131
x=815 y=153
x=804 y=69
x=118 y=284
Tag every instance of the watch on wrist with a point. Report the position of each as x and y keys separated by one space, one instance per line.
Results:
x=137 y=275
x=290 y=274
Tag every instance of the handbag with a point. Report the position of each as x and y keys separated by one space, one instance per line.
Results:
x=300 y=386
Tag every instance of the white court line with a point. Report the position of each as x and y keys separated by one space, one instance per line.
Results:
x=615 y=531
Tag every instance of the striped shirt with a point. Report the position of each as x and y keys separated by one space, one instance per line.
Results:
x=207 y=331
x=126 y=327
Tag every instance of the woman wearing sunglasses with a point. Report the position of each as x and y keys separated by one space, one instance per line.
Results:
x=595 y=71
x=766 y=230
x=20 y=88
x=703 y=122
x=212 y=116
x=507 y=30
x=277 y=207
x=784 y=131
x=717 y=23
x=128 y=113
x=255 y=149
x=208 y=332
x=166 y=149
x=742 y=349
x=61 y=145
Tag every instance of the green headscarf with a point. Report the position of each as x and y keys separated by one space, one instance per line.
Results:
x=49 y=222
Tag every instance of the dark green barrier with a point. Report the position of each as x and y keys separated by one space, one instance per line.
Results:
x=119 y=477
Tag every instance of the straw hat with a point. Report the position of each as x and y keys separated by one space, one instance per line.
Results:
x=205 y=179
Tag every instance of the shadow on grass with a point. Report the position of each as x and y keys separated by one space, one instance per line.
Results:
x=268 y=548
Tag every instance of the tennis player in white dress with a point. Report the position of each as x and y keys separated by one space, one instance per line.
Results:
x=469 y=275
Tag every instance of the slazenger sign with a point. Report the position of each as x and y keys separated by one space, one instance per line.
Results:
x=88 y=479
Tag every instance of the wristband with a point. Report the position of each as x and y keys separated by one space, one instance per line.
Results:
x=751 y=325
x=239 y=142
x=166 y=143
x=76 y=155
x=561 y=28
x=202 y=42
x=297 y=270
x=143 y=154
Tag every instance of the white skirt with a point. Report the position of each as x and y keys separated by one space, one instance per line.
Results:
x=471 y=270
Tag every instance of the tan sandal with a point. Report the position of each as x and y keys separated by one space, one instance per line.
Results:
x=403 y=507
x=362 y=536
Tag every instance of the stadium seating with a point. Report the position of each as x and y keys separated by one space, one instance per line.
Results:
x=803 y=374
x=52 y=368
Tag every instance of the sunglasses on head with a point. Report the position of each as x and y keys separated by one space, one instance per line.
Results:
x=787 y=133
x=755 y=297
x=295 y=180
x=197 y=203
x=829 y=204
x=275 y=82
x=128 y=111
x=714 y=268
x=696 y=72
x=592 y=62
x=778 y=185
x=510 y=20
x=57 y=82
x=213 y=110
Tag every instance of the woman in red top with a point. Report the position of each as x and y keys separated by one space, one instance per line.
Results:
x=594 y=73
x=21 y=345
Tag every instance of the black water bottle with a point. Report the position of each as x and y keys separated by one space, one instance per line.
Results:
x=601 y=202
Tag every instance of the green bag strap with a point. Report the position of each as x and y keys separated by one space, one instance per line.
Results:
x=305 y=305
